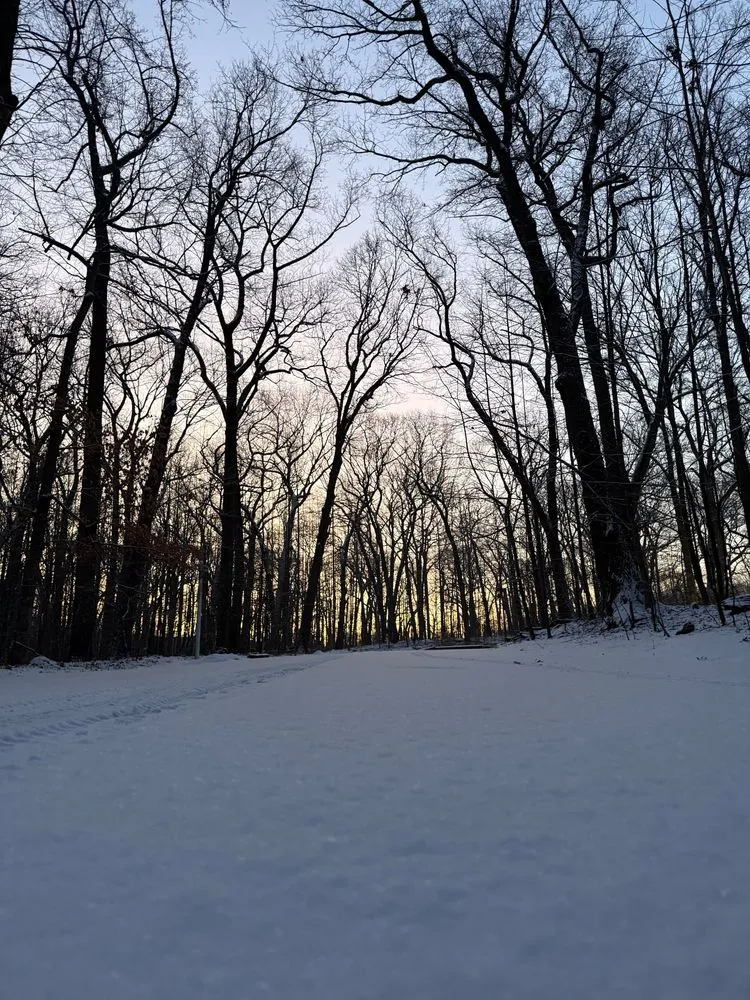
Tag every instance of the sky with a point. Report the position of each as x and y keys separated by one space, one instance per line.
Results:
x=214 y=43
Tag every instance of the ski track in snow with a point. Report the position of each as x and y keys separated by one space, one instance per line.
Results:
x=564 y=820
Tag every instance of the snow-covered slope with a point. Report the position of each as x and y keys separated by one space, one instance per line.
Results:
x=564 y=819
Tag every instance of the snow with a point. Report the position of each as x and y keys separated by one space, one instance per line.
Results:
x=554 y=819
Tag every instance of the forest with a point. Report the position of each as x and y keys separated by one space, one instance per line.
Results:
x=430 y=323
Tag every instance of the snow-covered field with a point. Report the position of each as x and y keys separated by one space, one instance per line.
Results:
x=558 y=819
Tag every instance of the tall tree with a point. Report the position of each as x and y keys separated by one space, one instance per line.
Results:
x=121 y=93
x=708 y=49
x=229 y=202
x=528 y=104
x=365 y=345
x=276 y=221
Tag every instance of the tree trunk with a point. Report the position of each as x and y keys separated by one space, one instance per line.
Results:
x=8 y=28
x=227 y=625
x=138 y=535
x=316 y=566
x=88 y=548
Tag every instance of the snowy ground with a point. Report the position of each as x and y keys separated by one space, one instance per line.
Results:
x=550 y=820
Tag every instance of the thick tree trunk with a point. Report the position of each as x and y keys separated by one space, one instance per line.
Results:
x=13 y=647
x=88 y=548
x=551 y=525
x=227 y=625
x=9 y=10
x=735 y=419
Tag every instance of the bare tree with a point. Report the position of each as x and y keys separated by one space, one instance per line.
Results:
x=528 y=105
x=121 y=94
x=295 y=435
x=707 y=49
x=365 y=345
x=237 y=144
x=275 y=222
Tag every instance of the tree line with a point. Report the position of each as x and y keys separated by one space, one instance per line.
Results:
x=206 y=321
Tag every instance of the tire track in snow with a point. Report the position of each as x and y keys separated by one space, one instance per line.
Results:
x=75 y=714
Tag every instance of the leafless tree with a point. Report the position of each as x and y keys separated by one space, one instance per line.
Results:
x=527 y=104
x=237 y=233
x=120 y=95
x=364 y=347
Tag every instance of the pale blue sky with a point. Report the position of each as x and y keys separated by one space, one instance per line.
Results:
x=213 y=43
